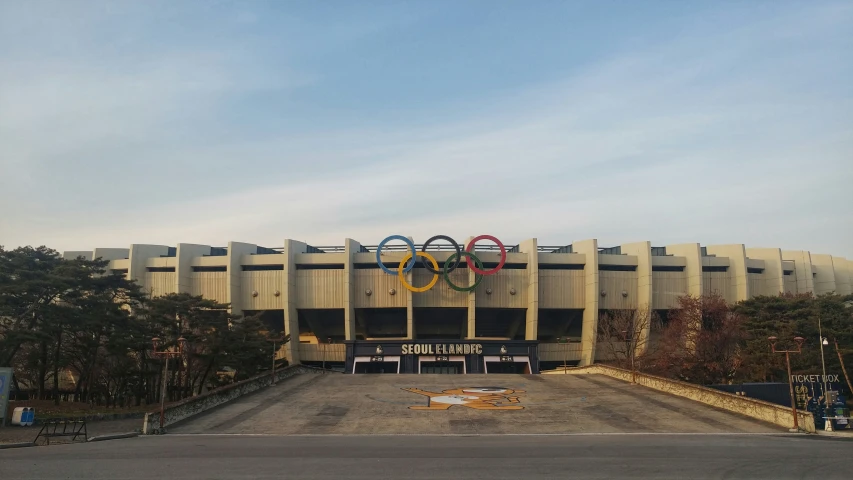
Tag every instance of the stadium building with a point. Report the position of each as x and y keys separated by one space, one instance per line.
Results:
x=515 y=308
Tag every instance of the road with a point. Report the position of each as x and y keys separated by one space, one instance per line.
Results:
x=584 y=456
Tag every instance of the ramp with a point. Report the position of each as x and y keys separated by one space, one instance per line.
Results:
x=464 y=404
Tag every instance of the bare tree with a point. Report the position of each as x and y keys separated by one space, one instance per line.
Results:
x=702 y=342
x=624 y=336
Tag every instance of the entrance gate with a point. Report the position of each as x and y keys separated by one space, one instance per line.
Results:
x=442 y=367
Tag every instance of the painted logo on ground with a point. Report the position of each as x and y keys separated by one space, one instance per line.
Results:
x=479 y=398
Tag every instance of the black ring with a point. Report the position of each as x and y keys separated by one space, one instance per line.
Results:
x=427 y=265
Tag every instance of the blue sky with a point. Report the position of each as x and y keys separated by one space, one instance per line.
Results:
x=203 y=122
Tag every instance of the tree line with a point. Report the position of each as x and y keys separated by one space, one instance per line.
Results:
x=705 y=340
x=61 y=317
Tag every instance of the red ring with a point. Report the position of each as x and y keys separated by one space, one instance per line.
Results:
x=470 y=249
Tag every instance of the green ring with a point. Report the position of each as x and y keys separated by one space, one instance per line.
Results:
x=477 y=277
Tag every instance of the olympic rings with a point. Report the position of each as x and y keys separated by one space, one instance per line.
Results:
x=470 y=249
x=408 y=243
x=426 y=287
x=477 y=277
x=455 y=247
x=431 y=264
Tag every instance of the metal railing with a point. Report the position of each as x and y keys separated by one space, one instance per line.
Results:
x=555 y=249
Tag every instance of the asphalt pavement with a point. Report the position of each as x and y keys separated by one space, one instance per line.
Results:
x=582 y=456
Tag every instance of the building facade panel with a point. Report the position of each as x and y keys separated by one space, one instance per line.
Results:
x=666 y=288
x=560 y=352
x=373 y=289
x=756 y=284
x=262 y=290
x=210 y=285
x=158 y=284
x=508 y=290
x=319 y=288
x=618 y=290
x=561 y=289
x=719 y=283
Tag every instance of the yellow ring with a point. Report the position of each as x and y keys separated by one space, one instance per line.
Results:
x=403 y=263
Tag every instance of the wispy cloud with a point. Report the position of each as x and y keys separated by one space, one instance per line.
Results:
x=724 y=134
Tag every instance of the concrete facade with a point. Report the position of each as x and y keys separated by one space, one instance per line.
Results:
x=543 y=293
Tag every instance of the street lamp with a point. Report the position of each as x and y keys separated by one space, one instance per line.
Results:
x=799 y=342
x=328 y=341
x=565 y=342
x=165 y=355
x=274 y=340
x=823 y=341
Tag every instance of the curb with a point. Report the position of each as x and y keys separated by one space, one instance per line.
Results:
x=17 y=445
x=844 y=435
x=117 y=436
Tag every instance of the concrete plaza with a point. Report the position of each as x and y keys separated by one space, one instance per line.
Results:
x=379 y=404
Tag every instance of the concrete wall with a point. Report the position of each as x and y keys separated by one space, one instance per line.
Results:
x=592 y=294
x=750 y=407
x=190 y=407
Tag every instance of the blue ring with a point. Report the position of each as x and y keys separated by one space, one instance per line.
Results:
x=411 y=246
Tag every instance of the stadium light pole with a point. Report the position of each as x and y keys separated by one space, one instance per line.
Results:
x=799 y=342
x=165 y=355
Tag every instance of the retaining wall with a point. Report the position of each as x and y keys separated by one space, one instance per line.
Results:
x=753 y=408
x=189 y=407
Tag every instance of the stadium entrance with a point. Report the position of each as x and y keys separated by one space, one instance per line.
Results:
x=441 y=356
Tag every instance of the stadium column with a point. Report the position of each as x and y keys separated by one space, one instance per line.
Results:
x=824 y=278
x=472 y=299
x=692 y=254
x=774 y=274
x=234 y=286
x=737 y=274
x=351 y=248
x=291 y=316
x=139 y=255
x=643 y=252
x=589 y=248
x=184 y=268
x=802 y=269
x=531 y=323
